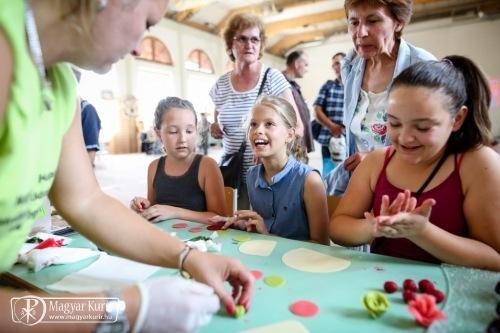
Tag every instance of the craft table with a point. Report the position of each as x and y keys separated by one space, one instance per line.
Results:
x=470 y=299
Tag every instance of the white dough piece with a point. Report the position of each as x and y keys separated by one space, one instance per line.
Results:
x=306 y=260
x=38 y=259
x=258 y=247
x=108 y=272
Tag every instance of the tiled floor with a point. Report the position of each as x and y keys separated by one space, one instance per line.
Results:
x=124 y=176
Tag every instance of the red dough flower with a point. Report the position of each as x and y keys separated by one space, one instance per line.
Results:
x=424 y=309
x=409 y=284
x=390 y=287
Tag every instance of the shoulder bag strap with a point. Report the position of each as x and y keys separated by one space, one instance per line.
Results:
x=261 y=88
x=263 y=82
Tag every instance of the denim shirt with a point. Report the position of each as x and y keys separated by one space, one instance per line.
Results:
x=281 y=203
x=353 y=68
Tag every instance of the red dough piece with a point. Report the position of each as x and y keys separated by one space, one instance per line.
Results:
x=195 y=229
x=408 y=295
x=49 y=242
x=390 y=287
x=425 y=286
x=179 y=225
x=409 y=284
x=438 y=295
x=216 y=226
x=256 y=274
x=304 y=309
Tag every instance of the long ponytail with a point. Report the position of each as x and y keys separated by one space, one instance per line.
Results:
x=462 y=84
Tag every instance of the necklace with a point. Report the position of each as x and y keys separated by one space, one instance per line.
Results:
x=36 y=54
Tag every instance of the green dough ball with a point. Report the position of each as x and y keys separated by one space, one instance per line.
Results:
x=239 y=311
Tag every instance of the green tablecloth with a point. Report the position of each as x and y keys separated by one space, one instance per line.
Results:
x=470 y=303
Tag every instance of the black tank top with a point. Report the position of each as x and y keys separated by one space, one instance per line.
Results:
x=180 y=191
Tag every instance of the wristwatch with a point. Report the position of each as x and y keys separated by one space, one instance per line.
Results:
x=115 y=308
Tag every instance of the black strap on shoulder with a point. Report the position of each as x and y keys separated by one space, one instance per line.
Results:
x=431 y=176
x=263 y=82
x=261 y=88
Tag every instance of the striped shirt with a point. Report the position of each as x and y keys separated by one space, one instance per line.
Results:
x=234 y=109
x=331 y=100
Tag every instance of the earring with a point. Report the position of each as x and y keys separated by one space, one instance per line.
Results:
x=101 y=4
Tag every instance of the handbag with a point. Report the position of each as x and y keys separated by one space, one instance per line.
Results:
x=315 y=129
x=231 y=165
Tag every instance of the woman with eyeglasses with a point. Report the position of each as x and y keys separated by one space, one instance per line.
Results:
x=235 y=92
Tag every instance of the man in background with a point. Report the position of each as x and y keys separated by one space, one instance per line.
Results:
x=91 y=126
x=328 y=108
x=204 y=132
x=297 y=65
x=91 y=123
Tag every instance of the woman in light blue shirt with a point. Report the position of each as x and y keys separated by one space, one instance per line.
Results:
x=379 y=55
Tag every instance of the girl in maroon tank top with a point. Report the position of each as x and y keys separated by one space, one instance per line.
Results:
x=434 y=195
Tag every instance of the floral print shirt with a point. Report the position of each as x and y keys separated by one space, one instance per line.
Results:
x=369 y=122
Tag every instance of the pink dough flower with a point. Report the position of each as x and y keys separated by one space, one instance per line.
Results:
x=424 y=309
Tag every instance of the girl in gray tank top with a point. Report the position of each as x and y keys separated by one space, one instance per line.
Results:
x=182 y=184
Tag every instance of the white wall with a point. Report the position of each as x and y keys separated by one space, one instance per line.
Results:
x=478 y=40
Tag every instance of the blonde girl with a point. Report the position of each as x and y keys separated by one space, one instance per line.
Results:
x=287 y=196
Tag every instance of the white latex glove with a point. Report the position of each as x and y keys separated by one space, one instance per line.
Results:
x=174 y=304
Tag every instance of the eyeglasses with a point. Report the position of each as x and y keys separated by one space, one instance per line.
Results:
x=244 y=39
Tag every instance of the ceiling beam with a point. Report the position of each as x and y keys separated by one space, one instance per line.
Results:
x=490 y=9
x=286 y=43
x=287 y=4
x=184 y=15
x=297 y=22
x=425 y=9
x=424 y=2
x=444 y=9
x=332 y=15
x=199 y=26
x=251 y=9
x=260 y=9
